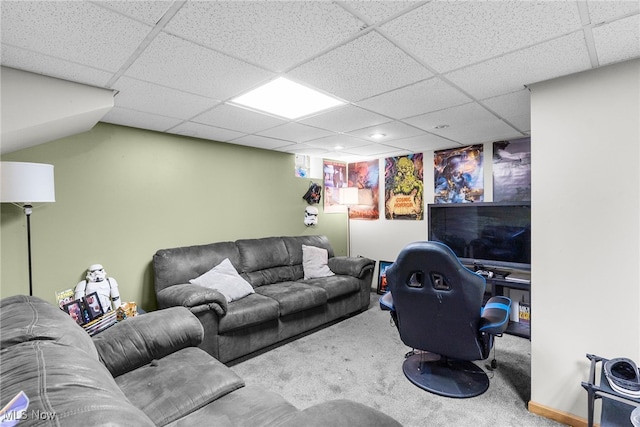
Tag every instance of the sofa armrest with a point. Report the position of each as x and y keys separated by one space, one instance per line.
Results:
x=139 y=340
x=495 y=315
x=351 y=266
x=194 y=297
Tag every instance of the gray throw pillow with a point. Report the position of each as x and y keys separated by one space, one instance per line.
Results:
x=225 y=279
x=314 y=262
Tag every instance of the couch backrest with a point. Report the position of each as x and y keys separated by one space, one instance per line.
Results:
x=260 y=261
x=24 y=319
x=46 y=355
x=179 y=265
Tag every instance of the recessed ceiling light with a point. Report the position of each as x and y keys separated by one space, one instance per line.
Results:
x=441 y=127
x=377 y=135
x=338 y=147
x=287 y=99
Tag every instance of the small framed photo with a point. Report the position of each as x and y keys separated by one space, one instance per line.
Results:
x=382 y=276
x=75 y=310
x=92 y=303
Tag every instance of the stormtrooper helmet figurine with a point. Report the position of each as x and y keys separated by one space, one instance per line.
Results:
x=106 y=287
x=310 y=216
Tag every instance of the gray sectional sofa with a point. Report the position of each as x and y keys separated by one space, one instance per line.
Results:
x=144 y=371
x=283 y=303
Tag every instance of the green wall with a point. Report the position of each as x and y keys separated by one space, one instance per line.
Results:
x=124 y=193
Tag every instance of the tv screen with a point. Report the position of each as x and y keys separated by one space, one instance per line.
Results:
x=490 y=235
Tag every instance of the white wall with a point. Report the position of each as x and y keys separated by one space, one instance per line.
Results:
x=585 y=228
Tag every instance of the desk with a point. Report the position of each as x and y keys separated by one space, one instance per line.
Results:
x=497 y=288
x=616 y=408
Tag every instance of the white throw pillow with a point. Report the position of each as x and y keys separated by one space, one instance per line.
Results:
x=225 y=279
x=314 y=262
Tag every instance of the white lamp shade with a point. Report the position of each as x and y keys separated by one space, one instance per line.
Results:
x=22 y=182
x=348 y=196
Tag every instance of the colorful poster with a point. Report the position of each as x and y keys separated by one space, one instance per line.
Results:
x=512 y=170
x=335 y=177
x=365 y=176
x=458 y=175
x=404 y=187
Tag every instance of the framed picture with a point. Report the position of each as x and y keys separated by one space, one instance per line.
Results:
x=382 y=276
x=92 y=303
x=75 y=310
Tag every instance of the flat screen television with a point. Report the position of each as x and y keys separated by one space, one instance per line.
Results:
x=491 y=236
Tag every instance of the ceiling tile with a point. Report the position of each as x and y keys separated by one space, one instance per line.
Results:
x=138 y=119
x=425 y=142
x=275 y=35
x=176 y=63
x=362 y=68
x=513 y=107
x=391 y=130
x=376 y=11
x=331 y=142
x=467 y=124
x=258 y=141
x=419 y=98
x=618 y=41
x=148 y=12
x=304 y=149
x=376 y=150
x=198 y=130
x=509 y=73
x=90 y=35
x=345 y=119
x=447 y=35
x=601 y=11
x=53 y=67
x=295 y=132
x=239 y=119
x=142 y=96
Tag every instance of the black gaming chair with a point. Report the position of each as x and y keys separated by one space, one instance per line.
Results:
x=436 y=304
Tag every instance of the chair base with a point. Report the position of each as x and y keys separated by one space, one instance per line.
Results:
x=446 y=377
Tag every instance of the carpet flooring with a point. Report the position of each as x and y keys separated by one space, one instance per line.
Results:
x=360 y=358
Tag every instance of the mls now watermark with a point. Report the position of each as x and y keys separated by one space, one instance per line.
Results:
x=34 y=414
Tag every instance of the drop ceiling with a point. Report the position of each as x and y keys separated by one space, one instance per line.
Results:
x=404 y=68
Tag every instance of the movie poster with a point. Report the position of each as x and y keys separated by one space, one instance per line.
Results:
x=364 y=176
x=335 y=177
x=404 y=187
x=458 y=175
x=512 y=170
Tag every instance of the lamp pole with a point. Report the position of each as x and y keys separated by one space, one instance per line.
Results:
x=27 y=211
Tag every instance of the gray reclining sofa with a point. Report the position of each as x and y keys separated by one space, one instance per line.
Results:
x=283 y=305
x=144 y=371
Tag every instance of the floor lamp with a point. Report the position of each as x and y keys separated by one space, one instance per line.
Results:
x=348 y=197
x=24 y=184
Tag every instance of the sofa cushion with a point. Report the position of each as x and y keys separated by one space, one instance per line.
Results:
x=248 y=311
x=24 y=318
x=65 y=386
x=294 y=246
x=270 y=275
x=179 y=265
x=314 y=262
x=336 y=286
x=260 y=254
x=250 y=406
x=178 y=384
x=293 y=297
x=225 y=279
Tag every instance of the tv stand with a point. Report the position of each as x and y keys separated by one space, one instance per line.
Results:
x=498 y=286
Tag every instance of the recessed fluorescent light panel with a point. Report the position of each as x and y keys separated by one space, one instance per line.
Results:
x=285 y=98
